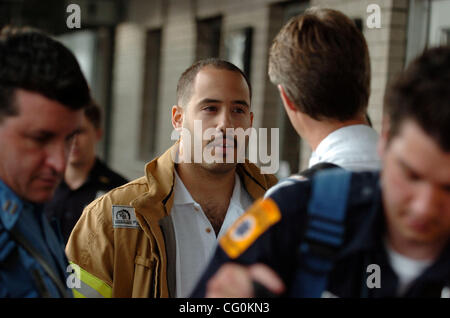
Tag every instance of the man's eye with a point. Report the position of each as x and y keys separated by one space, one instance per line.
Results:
x=447 y=189
x=210 y=108
x=39 y=139
x=239 y=110
x=70 y=138
x=411 y=175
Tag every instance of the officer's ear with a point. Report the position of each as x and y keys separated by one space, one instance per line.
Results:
x=288 y=104
x=383 y=142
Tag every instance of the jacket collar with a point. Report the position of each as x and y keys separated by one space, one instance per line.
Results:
x=183 y=197
x=159 y=174
x=160 y=179
x=155 y=204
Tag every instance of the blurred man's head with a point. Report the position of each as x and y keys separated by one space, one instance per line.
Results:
x=218 y=94
x=320 y=62
x=83 y=151
x=42 y=92
x=415 y=148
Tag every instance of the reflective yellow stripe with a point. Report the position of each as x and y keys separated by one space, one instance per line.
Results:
x=76 y=294
x=91 y=286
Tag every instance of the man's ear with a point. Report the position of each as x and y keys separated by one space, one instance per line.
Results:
x=177 y=117
x=384 y=137
x=99 y=134
x=288 y=104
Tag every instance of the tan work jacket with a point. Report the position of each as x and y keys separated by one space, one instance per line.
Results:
x=133 y=262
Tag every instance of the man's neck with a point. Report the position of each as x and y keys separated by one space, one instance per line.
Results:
x=76 y=174
x=211 y=190
x=414 y=250
x=314 y=131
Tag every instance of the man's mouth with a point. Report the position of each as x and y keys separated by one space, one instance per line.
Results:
x=49 y=181
x=225 y=143
x=419 y=226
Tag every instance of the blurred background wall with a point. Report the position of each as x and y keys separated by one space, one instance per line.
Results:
x=133 y=52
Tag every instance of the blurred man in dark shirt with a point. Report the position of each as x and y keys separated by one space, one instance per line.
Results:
x=86 y=177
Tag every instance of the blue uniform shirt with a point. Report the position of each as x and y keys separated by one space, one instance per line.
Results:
x=21 y=275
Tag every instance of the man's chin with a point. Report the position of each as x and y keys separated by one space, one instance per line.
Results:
x=40 y=197
x=74 y=161
x=219 y=168
x=421 y=237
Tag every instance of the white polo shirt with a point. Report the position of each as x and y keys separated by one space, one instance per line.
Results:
x=352 y=147
x=194 y=234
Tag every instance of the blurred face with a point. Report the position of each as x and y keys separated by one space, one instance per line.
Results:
x=83 y=147
x=35 y=145
x=416 y=187
x=220 y=100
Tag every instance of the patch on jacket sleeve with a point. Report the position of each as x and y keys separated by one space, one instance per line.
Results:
x=261 y=215
x=123 y=216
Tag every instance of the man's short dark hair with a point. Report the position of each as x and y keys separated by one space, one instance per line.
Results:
x=422 y=94
x=185 y=83
x=33 y=61
x=321 y=60
x=93 y=113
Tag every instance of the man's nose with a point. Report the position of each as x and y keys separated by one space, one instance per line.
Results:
x=57 y=157
x=74 y=141
x=224 y=121
x=426 y=201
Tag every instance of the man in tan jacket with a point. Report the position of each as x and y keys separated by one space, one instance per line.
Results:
x=154 y=236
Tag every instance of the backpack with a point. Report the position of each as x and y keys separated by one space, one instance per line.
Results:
x=324 y=232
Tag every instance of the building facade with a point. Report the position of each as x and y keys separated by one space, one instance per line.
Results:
x=133 y=53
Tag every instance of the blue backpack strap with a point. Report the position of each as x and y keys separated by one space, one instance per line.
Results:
x=324 y=232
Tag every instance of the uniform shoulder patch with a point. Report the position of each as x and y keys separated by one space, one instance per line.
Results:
x=123 y=216
x=260 y=216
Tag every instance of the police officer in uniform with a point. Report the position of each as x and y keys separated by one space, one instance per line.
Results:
x=42 y=93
